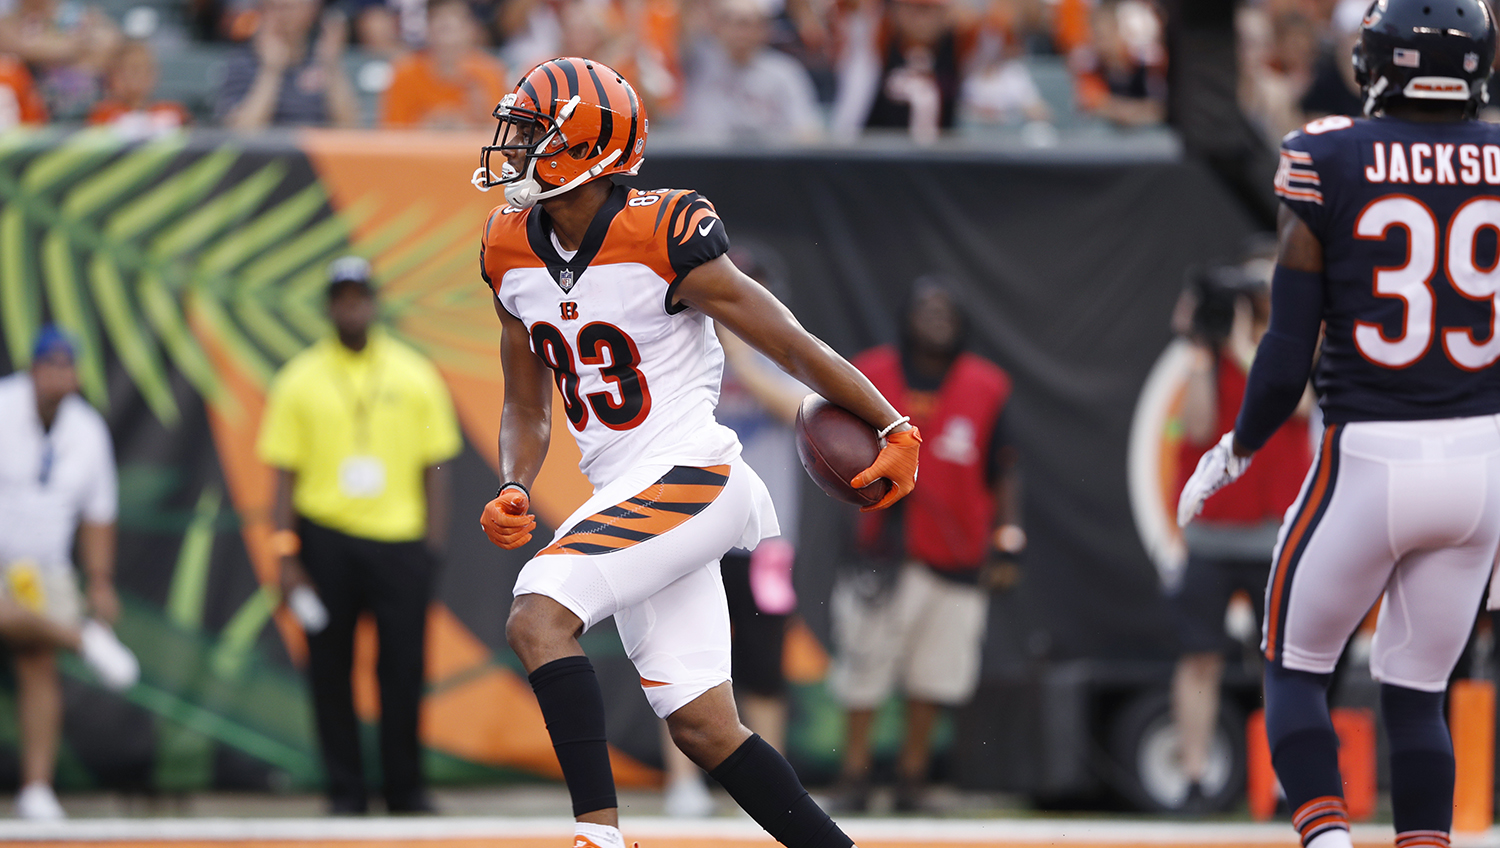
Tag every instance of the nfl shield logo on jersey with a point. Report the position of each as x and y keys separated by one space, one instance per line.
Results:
x=565 y=279
x=1471 y=62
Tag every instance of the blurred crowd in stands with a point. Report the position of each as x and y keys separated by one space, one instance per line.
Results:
x=716 y=71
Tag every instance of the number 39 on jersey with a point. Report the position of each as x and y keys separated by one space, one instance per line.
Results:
x=1412 y=282
x=1408 y=215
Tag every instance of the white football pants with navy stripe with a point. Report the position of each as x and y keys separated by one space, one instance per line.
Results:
x=1405 y=509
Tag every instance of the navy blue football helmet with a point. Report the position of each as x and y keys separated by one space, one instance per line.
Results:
x=1425 y=50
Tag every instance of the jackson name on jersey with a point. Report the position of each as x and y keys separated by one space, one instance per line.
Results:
x=1408 y=217
x=639 y=375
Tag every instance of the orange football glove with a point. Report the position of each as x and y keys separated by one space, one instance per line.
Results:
x=897 y=463
x=505 y=520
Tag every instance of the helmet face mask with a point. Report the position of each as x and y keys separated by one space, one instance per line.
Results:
x=1425 y=51
x=569 y=121
x=532 y=133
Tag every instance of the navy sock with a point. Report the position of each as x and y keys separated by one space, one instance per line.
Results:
x=568 y=693
x=763 y=783
x=1305 y=750
x=1421 y=759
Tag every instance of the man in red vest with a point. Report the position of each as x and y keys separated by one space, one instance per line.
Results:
x=919 y=621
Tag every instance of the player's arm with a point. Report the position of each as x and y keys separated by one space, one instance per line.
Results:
x=722 y=292
x=780 y=396
x=1283 y=362
x=525 y=431
x=1284 y=359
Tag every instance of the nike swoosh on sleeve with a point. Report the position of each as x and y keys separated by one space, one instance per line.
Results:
x=704 y=230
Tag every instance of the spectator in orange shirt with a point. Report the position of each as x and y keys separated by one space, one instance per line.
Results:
x=450 y=85
x=19 y=101
x=130 y=80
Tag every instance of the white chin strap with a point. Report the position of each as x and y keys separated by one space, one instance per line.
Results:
x=525 y=192
x=1376 y=89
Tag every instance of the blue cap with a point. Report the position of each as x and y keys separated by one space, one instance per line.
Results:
x=52 y=340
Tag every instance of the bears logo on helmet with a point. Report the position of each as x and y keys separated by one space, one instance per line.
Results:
x=1425 y=50
x=571 y=120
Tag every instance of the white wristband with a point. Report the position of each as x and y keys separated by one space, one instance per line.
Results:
x=893 y=425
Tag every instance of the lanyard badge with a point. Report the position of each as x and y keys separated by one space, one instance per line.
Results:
x=363 y=474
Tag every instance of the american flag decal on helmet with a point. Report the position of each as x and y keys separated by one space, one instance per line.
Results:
x=1406 y=57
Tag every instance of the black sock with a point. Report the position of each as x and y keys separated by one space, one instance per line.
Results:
x=763 y=783
x=573 y=707
x=1307 y=764
x=1305 y=750
x=1421 y=759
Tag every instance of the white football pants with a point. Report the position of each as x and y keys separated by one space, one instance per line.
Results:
x=1408 y=509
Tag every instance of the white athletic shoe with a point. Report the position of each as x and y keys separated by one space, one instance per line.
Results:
x=37 y=802
x=111 y=661
x=688 y=799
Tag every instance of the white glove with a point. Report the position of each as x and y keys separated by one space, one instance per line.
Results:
x=1217 y=469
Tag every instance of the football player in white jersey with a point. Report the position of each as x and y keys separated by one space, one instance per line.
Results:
x=612 y=294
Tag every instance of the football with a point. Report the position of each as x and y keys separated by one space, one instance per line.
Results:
x=834 y=446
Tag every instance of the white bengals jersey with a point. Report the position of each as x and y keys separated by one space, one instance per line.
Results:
x=639 y=376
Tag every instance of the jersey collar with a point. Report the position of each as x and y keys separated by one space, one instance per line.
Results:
x=567 y=272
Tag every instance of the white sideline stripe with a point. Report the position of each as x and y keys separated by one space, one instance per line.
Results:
x=936 y=831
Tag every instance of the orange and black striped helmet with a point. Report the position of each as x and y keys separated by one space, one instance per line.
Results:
x=574 y=120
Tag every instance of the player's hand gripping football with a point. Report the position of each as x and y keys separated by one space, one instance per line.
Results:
x=505 y=519
x=897 y=462
x=1217 y=469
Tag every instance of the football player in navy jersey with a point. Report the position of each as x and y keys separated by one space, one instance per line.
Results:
x=1388 y=244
